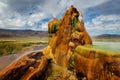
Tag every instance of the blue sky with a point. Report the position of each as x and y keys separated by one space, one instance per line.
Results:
x=100 y=16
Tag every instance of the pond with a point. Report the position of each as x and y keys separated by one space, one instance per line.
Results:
x=109 y=46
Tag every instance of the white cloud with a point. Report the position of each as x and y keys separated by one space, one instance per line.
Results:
x=16 y=22
x=34 y=18
x=54 y=8
x=12 y=23
x=44 y=27
x=104 y=22
x=2 y=6
x=83 y=4
x=15 y=14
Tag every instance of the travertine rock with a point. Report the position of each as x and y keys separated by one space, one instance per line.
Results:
x=96 y=64
x=66 y=50
x=70 y=33
x=29 y=67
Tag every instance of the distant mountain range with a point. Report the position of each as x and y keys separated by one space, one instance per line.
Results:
x=22 y=33
x=108 y=36
x=32 y=33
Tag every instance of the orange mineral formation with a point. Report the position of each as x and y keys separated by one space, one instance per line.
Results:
x=69 y=33
x=68 y=49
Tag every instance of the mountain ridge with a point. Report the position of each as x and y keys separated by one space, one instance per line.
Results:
x=22 y=33
x=109 y=35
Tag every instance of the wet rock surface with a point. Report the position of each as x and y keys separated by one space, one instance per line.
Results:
x=96 y=64
x=29 y=67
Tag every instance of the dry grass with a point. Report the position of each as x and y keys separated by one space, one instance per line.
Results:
x=13 y=45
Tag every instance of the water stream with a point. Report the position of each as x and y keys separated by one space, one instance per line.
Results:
x=8 y=59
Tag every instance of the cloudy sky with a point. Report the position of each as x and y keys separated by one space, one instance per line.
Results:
x=100 y=16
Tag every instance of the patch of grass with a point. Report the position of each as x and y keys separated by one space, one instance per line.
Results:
x=10 y=48
x=13 y=45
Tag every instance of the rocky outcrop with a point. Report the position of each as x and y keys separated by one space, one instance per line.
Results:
x=57 y=72
x=66 y=45
x=69 y=34
x=95 y=64
x=29 y=67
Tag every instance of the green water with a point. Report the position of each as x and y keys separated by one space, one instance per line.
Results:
x=109 y=46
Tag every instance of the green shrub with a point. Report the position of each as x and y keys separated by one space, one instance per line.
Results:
x=54 y=28
x=74 y=22
x=7 y=48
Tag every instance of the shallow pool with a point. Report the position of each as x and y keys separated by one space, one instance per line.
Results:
x=109 y=46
